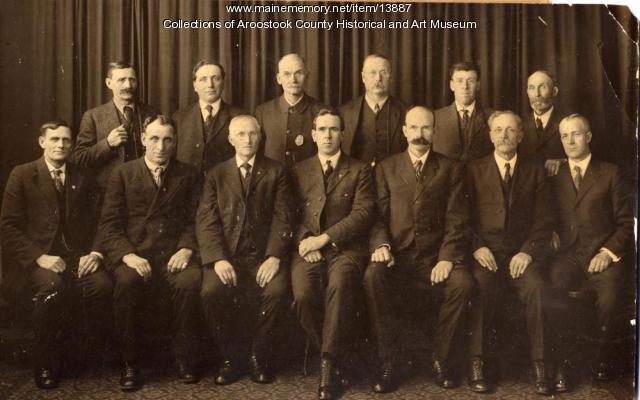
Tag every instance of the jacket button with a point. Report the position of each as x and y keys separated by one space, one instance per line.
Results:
x=320 y=198
x=315 y=214
x=197 y=144
x=287 y=153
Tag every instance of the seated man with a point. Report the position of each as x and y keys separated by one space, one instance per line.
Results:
x=336 y=205
x=47 y=229
x=244 y=227
x=148 y=231
x=418 y=247
x=511 y=230
x=594 y=222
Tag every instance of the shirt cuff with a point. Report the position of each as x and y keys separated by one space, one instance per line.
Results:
x=614 y=257
x=97 y=254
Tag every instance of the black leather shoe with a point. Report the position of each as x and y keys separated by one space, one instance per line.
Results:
x=45 y=379
x=442 y=375
x=560 y=380
x=540 y=384
x=603 y=372
x=186 y=373
x=476 y=382
x=384 y=382
x=326 y=388
x=130 y=378
x=260 y=372
x=227 y=374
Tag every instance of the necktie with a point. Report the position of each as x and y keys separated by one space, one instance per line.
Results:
x=577 y=177
x=418 y=167
x=246 y=177
x=327 y=172
x=157 y=175
x=507 y=175
x=539 y=127
x=131 y=146
x=209 y=121
x=128 y=113
x=57 y=180
x=376 y=109
x=465 y=119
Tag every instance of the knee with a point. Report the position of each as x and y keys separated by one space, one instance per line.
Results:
x=374 y=276
x=461 y=283
x=103 y=286
x=51 y=288
x=211 y=291
x=607 y=301
x=188 y=280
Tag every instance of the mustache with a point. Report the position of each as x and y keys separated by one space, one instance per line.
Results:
x=419 y=141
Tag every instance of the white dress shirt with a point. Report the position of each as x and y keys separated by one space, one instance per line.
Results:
x=502 y=164
x=470 y=108
x=544 y=117
x=334 y=160
x=372 y=103
x=215 y=107
x=240 y=162
x=423 y=158
x=62 y=169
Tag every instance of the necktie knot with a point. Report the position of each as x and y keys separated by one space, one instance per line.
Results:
x=128 y=113
x=418 y=167
x=376 y=109
x=247 y=169
x=157 y=174
x=507 y=171
x=57 y=179
x=539 y=123
x=328 y=168
x=209 y=109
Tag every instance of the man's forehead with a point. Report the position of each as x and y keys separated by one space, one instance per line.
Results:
x=208 y=69
x=376 y=62
x=539 y=77
x=155 y=129
x=290 y=63
x=244 y=125
x=464 y=74
x=59 y=131
x=123 y=72
x=328 y=120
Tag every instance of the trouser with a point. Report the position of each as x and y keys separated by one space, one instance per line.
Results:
x=390 y=289
x=65 y=306
x=339 y=276
x=486 y=303
x=225 y=307
x=171 y=297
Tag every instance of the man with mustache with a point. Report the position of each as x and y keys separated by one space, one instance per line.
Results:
x=203 y=127
x=47 y=228
x=511 y=231
x=461 y=131
x=110 y=134
x=148 y=231
x=336 y=208
x=594 y=220
x=418 y=246
x=286 y=120
x=373 y=122
x=541 y=139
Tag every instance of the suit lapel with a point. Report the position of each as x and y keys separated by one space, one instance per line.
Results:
x=590 y=177
x=518 y=180
x=44 y=181
x=232 y=178
x=73 y=181
x=352 y=117
x=491 y=178
x=111 y=119
x=143 y=180
x=339 y=173
x=394 y=118
x=257 y=173
x=566 y=181
x=429 y=170
x=406 y=170
x=477 y=122
x=195 y=116
x=219 y=121
x=549 y=130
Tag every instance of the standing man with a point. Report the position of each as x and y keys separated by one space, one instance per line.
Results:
x=110 y=134
x=244 y=227
x=418 y=244
x=373 y=122
x=511 y=232
x=47 y=227
x=461 y=131
x=541 y=139
x=148 y=231
x=336 y=206
x=286 y=120
x=594 y=221
x=203 y=127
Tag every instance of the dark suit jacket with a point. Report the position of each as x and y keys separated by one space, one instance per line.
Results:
x=351 y=115
x=223 y=209
x=92 y=149
x=139 y=218
x=347 y=206
x=446 y=138
x=599 y=215
x=273 y=116
x=549 y=146
x=433 y=213
x=528 y=227
x=193 y=148
x=30 y=217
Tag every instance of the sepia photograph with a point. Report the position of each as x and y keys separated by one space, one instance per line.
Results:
x=325 y=200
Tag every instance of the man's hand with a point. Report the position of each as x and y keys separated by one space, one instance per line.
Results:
x=313 y=257
x=141 y=265
x=485 y=257
x=88 y=264
x=226 y=273
x=441 y=271
x=267 y=271
x=519 y=264
x=312 y=243
x=52 y=263
x=179 y=260
x=553 y=166
x=599 y=263
x=117 y=136
x=382 y=255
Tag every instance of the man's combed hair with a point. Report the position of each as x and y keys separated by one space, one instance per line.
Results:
x=53 y=124
x=202 y=63
x=498 y=113
x=329 y=111
x=585 y=121
x=162 y=119
x=547 y=73
x=464 y=66
x=118 y=65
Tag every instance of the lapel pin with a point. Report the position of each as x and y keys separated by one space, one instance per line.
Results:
x=73 y=187
x=299 y=140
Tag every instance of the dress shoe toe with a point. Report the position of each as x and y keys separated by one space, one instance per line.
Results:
x=560 y=381
x=227 y=373
x=384 y=382
x=129 y=380
x=476 y=382
x=186 y=374
x=442 y=375
x=325 y=393
x=260 y=371
x=45 y=379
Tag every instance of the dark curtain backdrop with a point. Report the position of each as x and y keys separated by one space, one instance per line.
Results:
x=53 y=57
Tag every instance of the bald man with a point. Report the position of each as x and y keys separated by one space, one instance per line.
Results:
x=373 y=122
x=286 y=120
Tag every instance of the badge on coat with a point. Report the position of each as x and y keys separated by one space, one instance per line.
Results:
x=299 y=140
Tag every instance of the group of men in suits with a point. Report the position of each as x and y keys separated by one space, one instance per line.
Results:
x=218 y=209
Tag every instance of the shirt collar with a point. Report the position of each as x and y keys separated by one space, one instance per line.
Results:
x=471 y=107
x=121 y=107
x=215 y=107
x=544 y=117
x=423 y=158
x=51 y=167
x=292 y=104
x=240 y=161
x=334 y=159
x=152 y=166
x=583 y=165
x=502 y=162
x=372 y=103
